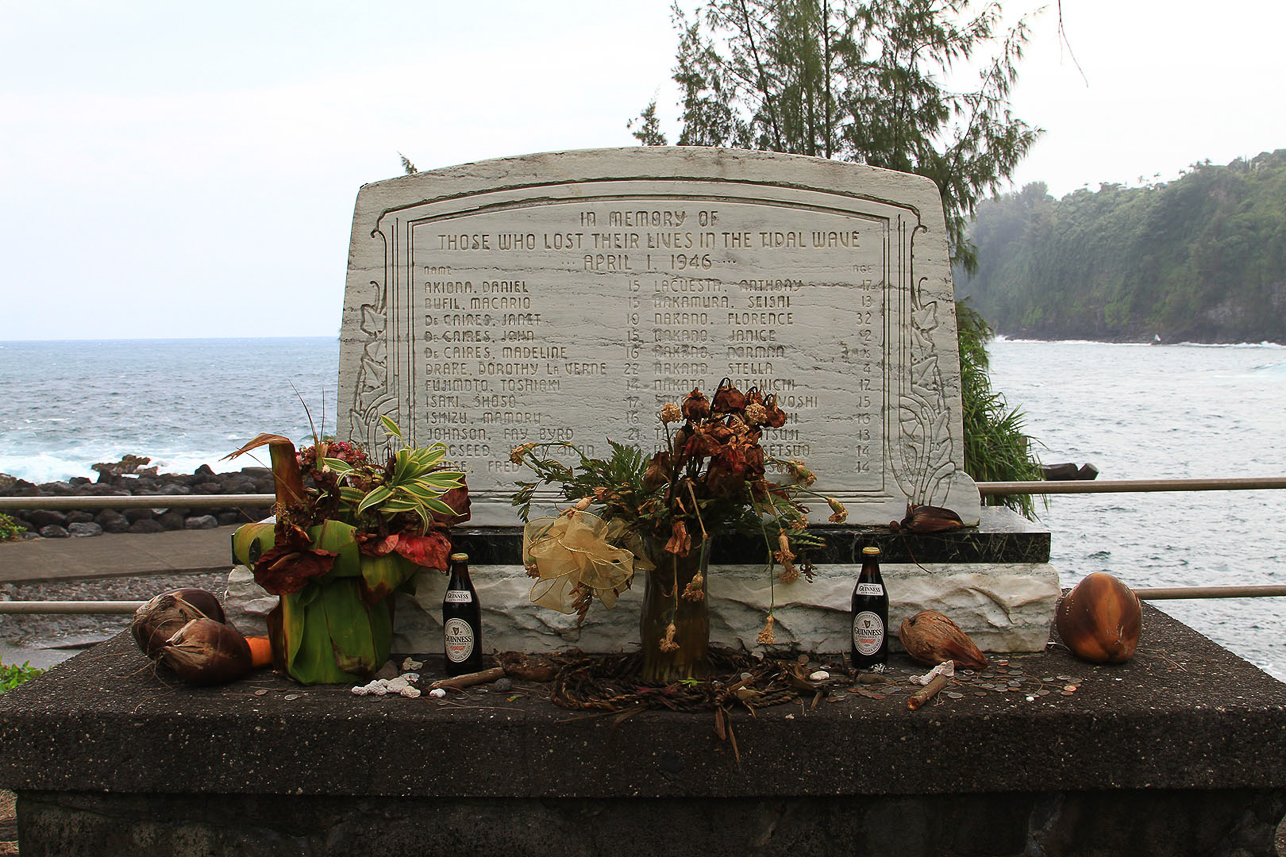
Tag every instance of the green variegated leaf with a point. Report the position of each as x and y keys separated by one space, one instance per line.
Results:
x=338 y=465
x=443 y=480
x=377 y=496
x=441 y=508
x=391 y=427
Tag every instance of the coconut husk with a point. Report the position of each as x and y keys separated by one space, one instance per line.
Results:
x=931 y=638
x=207 y=652
x=158 y=620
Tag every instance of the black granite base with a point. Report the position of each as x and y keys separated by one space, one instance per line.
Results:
x=1171 y=822
x=1180 y=751
x=1002 y=536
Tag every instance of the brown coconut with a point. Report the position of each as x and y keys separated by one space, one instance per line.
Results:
x=931 y=638
x=207 y=652
x=1100 y=620
x=157 y=620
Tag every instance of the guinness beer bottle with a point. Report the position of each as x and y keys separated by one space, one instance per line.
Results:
x=461 y=620
x=870 y=615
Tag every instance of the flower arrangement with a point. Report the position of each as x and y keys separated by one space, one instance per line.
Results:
x=347 y=534
x=657 y=515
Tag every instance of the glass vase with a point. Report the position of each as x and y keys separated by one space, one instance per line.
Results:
x=675 y=620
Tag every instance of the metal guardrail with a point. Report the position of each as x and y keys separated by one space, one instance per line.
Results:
x=69 y=607
x=1125 y=486
x=985 y=489
x=141 y=501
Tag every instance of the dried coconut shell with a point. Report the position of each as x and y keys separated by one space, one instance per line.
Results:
x=931 y=638
x=207 y=652
x=158 y=620
x=1100 y=620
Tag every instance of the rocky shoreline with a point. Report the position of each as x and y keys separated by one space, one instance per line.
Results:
x=132 y=477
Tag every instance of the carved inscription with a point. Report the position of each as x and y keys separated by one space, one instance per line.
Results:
x=530 y=315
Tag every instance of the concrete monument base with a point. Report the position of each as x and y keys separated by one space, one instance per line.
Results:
x=1180 y=751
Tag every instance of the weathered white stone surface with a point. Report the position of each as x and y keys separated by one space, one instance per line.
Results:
x=567 y=296
x=247 y=604
x=1003 y=608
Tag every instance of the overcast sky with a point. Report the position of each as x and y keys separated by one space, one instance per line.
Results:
x=189 y=170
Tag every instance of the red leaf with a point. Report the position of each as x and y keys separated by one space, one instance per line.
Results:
x=373 y=544
x=430 y=551
x=285 y=570
x=458 y=499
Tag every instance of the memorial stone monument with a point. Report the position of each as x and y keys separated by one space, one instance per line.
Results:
x=568 y=296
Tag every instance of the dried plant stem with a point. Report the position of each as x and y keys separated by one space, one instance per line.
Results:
x=930 y=690
x=469 y=679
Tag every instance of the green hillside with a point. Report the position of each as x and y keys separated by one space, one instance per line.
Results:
x=1201 y=258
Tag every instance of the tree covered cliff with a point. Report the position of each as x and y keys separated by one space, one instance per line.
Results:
x=1201 y=258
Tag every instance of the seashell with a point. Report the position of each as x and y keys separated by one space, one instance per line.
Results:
x=931 y=638
x=820 y=675
x=410 y=692
x=437 y=693
x=1100 y=620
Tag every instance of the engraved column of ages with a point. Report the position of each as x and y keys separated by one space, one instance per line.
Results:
x=867 y=320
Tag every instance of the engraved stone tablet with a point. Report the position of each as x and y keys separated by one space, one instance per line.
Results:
x=568 y=296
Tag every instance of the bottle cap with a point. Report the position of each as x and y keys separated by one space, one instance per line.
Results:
x=871 y=551
x=459 y=557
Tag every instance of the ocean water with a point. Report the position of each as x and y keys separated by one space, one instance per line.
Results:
x=1134 y=411
x=183 y=402
x=1165 y=412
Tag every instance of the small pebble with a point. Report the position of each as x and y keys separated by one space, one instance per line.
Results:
x=820 y=675
x=437 y=693
x=503 y=685
x=1031 y=699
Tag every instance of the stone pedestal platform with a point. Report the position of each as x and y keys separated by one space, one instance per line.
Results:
x=993 y=580
x=1180 y=751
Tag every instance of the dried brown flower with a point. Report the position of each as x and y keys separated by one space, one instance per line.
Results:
x=695 y=590
x=784 y=557
x=696 y=406
x=756 y=415
x=667 y=642
x=776 y=416
x=840 y=514
x=518 y=452
x=800 y=472
x=670 y=413
x=728 y=399
x=680 y=541
x=766 y=636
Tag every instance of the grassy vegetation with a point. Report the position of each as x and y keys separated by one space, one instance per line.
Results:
x=10 y=529
x=12 y=676
x=997 y=449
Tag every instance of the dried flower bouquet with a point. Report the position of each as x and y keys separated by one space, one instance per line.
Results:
x=657 y=515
